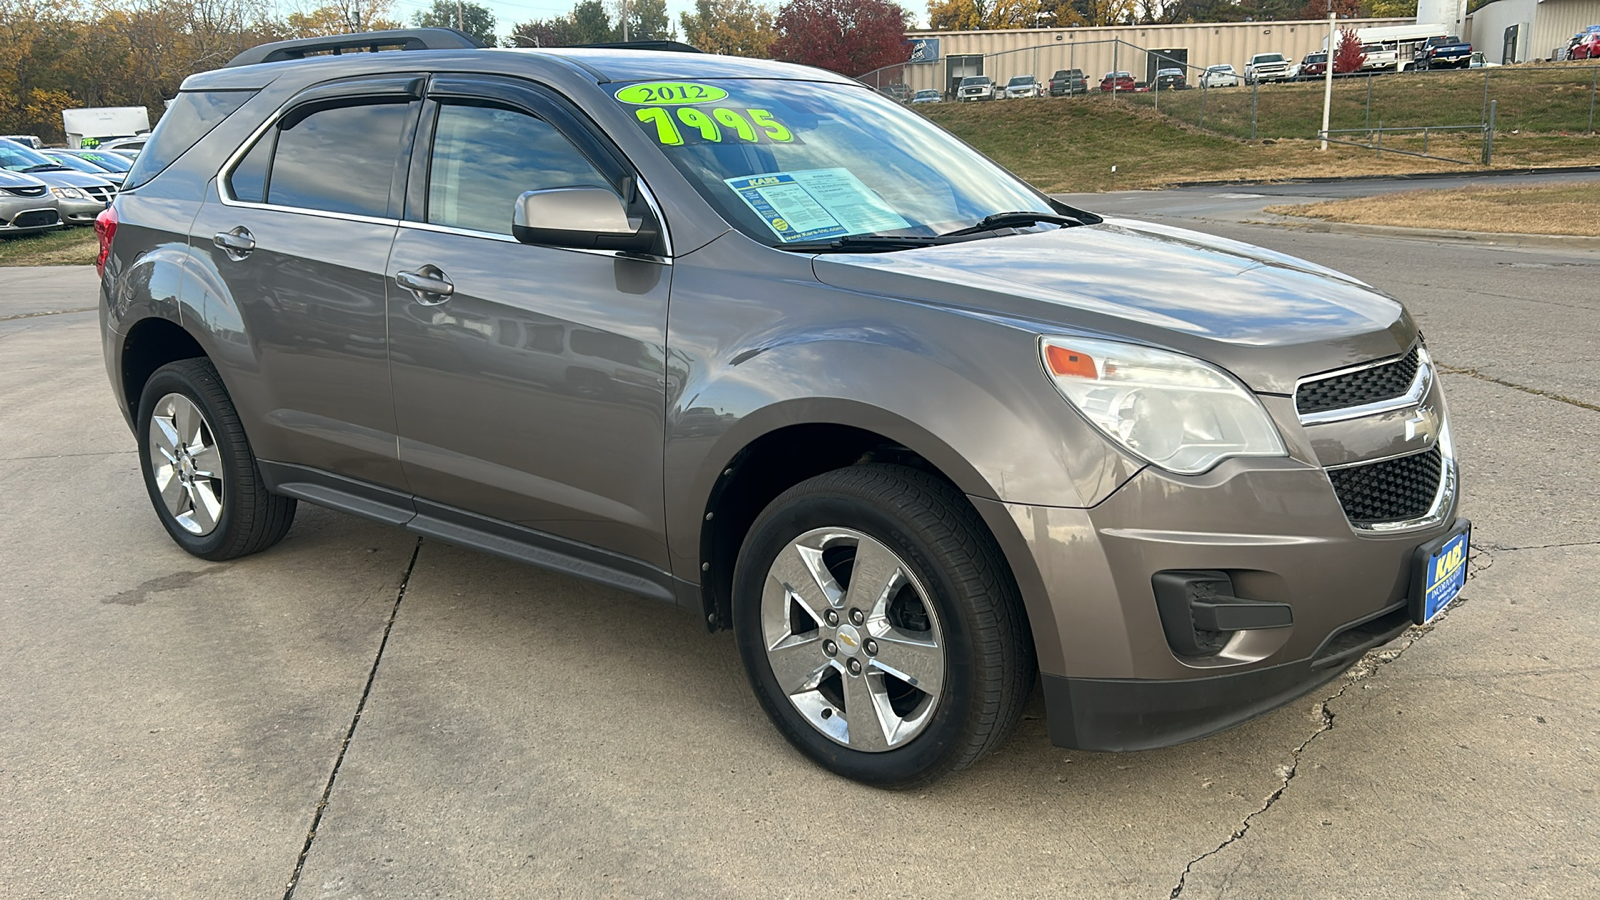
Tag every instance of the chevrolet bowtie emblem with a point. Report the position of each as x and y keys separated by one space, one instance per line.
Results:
x=1424 y=422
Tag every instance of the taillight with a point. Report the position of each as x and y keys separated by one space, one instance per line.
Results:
x=105 y=228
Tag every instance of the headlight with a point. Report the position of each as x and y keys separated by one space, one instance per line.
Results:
x=1175 y=411
x=70 y=193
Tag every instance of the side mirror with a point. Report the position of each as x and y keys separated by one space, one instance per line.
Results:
x=583 y=217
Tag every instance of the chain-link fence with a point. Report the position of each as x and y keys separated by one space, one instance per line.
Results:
x=1453 y=115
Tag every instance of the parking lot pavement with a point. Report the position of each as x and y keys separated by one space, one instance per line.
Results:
x=170 y=726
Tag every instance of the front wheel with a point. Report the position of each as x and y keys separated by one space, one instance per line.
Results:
x=198 y=468
x=880 y=627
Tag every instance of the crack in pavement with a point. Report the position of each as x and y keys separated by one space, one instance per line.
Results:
x=48 y=312
x=1498 y=548
x=1364 y=668
x=350 y=733
x=1537 y=392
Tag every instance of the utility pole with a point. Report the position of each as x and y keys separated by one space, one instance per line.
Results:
x=624 y=21
x=459 y=17
x=1327 y=78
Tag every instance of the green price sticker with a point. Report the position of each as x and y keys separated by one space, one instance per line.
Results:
x=677 y=126
x=670 y=93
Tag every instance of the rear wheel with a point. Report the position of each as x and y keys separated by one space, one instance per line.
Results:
x=879 y=626
x=198 y=468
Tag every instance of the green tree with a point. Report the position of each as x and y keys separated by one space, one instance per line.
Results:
x=1399 y=9
x=731 y=27
x=647 y=20
x=557 y=32
x=475 y=20
x=591 y=24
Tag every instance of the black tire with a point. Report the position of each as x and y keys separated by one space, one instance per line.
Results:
x=988 y=654
x=250 y=518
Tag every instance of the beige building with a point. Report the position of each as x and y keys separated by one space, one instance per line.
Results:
x=1510 y=31
x=1040 y=52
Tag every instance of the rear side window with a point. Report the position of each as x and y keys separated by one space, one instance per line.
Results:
x=485 y=157
x=339 y=159
x=191 y=117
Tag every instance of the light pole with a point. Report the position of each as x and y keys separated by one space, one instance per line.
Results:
x=1327 y=79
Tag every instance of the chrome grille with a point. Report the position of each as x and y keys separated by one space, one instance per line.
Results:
x=1358 y=388
x=103 y=193
x=33 y=191
x=1393 y=490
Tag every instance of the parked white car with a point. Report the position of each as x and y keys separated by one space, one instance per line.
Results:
x=1022 y=86
x=1219 y=76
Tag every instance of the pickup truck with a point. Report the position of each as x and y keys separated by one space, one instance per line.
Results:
x=1266 y=67
x=1444 y=53
x=1380 y=58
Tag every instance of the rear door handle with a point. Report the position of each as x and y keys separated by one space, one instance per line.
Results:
x=237 y=243
x=430 y=286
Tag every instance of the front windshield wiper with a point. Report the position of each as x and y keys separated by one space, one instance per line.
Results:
x=48 y=167
x=867 y=243
x=1015 y=219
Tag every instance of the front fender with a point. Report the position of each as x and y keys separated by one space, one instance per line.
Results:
x=966 y=393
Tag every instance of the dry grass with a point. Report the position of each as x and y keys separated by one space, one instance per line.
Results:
x=69 y=247
x=1548 y=209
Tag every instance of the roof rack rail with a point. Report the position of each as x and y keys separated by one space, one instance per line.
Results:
x=660 y=46
x=364 y=42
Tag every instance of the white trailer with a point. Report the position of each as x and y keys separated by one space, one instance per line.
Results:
x=104 y=122
x=1391 y=47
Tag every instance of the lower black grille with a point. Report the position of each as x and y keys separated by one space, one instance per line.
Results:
x=36 y=218
x=1359 y=387
x=1390 y=491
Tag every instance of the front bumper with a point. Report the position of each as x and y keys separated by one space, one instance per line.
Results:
x=81 y=212
x=1113 y=681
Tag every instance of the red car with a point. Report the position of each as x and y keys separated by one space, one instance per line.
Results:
x=1588 y=47
x=1123 y=80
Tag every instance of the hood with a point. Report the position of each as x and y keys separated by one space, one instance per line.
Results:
x=69 y=178
x=1267 y=317
x=10 y=179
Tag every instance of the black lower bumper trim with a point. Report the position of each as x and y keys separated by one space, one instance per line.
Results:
x=1127 y=714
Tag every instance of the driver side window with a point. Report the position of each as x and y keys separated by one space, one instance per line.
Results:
x=484 y=157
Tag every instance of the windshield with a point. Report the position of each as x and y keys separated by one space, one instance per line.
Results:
x=109 y=161
x=789 y=161
x=974 y=79
x=1022 y=79
x=18 y=158
x=1270 y=57
x=72 y=162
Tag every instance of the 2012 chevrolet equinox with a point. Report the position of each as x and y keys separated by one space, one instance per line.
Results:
x=751 y=339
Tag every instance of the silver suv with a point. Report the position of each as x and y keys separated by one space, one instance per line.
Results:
x=754 y=340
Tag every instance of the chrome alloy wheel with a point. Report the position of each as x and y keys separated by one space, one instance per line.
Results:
x=186 y=464
x=852 y=639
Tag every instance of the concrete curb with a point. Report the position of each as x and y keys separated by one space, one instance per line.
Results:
x=1403 y=176
x=1568 y=241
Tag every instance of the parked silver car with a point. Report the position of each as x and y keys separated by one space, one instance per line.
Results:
x=81 y=195
x=914 y=431
x=80 y=161
x=26 y=205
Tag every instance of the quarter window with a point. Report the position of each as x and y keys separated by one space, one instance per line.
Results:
x=484 y=157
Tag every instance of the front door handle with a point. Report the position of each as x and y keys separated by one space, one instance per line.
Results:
x=237 y=243
x=430 y=286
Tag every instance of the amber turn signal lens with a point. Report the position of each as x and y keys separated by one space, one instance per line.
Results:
x=1069 y=362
